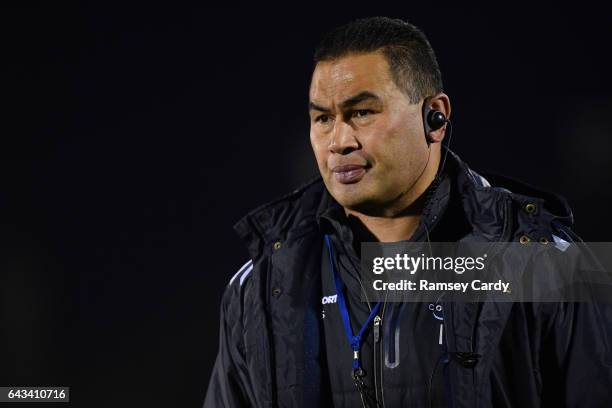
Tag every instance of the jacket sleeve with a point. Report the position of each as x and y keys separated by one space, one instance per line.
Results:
x=582 y=350
x=229 y=384
x=580 y=345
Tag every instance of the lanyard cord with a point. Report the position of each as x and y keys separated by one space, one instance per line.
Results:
x=354 y=340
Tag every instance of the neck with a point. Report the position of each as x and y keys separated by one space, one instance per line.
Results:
x=401 y=218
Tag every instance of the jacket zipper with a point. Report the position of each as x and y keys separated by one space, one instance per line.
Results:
x=378 y=360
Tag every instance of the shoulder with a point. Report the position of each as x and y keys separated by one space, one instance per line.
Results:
x=242 y=274
x=502 y=208
x=236 y=298
x=537 y=215
x=263 y=230
x=274 y=221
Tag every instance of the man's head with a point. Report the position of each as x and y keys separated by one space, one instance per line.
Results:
x=366 y=98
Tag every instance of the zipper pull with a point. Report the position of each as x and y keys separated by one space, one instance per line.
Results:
x=377 y=320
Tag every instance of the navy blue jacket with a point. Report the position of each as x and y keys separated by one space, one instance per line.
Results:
x=501 y=354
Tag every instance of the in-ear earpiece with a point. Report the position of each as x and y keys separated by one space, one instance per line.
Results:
x=436 y=119
x=432 y=120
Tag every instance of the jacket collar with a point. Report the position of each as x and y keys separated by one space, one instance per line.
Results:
x=295 y=214
x=331 y=217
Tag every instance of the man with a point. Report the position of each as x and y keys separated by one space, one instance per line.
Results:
x=378 y=117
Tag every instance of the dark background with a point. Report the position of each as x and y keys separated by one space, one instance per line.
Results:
x=134 y=136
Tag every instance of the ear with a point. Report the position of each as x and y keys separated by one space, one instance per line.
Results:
x=439 y=102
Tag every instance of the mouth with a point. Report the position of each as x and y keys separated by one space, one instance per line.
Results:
x=349 y=173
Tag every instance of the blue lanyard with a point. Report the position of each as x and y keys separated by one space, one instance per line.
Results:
x=354 y=341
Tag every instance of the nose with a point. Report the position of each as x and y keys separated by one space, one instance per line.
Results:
x=343 y=140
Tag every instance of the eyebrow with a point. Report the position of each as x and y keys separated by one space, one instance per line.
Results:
x=360 y=97
x=313 y=106
x=347 y=103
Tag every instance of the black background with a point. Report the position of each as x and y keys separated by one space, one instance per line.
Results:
x=135 y=135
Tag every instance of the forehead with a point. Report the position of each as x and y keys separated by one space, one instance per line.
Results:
x=349 y=75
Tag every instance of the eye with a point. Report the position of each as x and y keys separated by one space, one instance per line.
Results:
x=323 y=119
x=362 y=113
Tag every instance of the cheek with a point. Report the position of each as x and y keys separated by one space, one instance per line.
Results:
x=319 y=149
x=388 y=145
x=398 y=150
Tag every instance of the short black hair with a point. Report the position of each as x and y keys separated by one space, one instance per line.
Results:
x=412 y=61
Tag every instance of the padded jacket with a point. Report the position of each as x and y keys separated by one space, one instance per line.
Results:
x=500 y=354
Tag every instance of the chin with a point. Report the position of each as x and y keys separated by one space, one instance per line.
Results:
x=358 y=196
x=356 y=201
